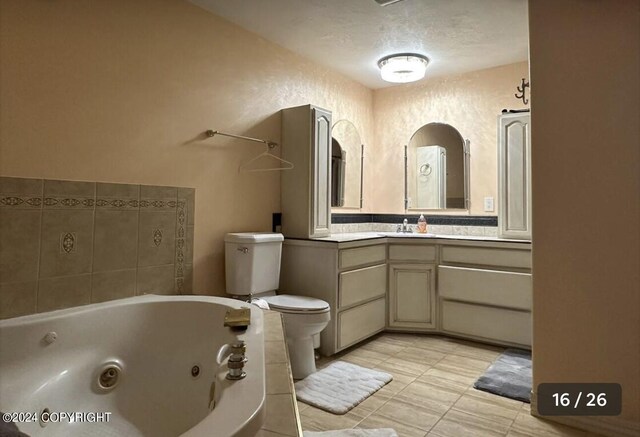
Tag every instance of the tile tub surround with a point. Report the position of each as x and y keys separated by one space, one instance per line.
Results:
x=432 y=392
x=70 y=243
x=282 y=417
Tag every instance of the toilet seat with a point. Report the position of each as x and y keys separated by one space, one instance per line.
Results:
x=287 y=303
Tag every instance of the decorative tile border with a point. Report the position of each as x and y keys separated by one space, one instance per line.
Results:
x=158 y=204
x=181 y=215
x=120 y=204
x=14 y=201
x=68 y=203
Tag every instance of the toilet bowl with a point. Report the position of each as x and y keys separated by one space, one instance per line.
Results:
x=253 y=271
x=304 y=318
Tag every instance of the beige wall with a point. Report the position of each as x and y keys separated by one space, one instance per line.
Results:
x=586 y=190
x=121 y=91
x=470 y=102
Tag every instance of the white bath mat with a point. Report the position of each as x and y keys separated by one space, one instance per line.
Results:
x=340 y=386
x=382 y=432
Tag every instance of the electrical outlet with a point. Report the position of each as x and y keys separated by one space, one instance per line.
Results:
x=488 y=204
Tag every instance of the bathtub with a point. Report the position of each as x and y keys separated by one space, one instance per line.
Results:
x=149 y=361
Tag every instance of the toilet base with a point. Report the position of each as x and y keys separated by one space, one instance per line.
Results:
x=302 y=357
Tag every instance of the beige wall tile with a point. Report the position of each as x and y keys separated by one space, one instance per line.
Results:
x=54 y=188
x=18 y=299
x=278 y=378
x=21 y=186
x=280 y=415
x=156 y=238
x=273 y=327
x=156 y=280
x=157 y=198
x=56 y=225
x=113 y=285
x=117 y=191
x=117 y=196
x=64 y=292
x=188 y=247
x=115 y=240
x=186 y=286
x=21 y=193
x=275 y=352
x=59 y=194
x=20 y=243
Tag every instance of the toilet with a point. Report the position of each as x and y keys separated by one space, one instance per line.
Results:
x=252 y=269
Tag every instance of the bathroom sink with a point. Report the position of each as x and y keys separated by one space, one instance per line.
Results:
x=406 y=235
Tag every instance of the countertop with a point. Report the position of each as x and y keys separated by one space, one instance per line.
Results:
x=358 y=236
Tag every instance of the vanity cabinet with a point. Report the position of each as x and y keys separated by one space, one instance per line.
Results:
x=351 y=277
x=412 y=296
x=514 y=176
x=485 y=293
x=412 y=286
x=306 y=189
x=479 y=290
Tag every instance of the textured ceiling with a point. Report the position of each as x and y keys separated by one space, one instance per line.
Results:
x=351 y=35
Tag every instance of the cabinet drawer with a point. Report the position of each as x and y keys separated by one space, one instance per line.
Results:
x=360 y=322
x=362 y=255
x=487 y=322
x=363 y=284
x=487 y=256
x=414 y=252
x=505 y=289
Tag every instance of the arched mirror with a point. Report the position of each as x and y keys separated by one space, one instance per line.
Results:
x=346 y=165
x=437 y=169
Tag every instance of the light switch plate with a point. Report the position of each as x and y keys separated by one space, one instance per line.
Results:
x=488 y=204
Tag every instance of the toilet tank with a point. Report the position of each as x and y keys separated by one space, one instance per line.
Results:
x=252 y=262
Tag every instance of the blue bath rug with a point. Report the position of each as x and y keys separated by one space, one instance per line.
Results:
x=509 y=376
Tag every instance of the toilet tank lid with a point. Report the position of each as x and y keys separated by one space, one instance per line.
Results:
x=253 y=237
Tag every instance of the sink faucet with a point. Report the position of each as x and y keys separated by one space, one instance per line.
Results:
x=405 y=227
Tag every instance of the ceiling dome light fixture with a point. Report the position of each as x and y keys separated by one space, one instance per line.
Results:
x=403 y=67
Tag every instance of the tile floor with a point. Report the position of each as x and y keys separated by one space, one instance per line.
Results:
x=431 y=393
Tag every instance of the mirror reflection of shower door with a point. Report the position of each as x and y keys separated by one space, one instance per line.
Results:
x=432 y=177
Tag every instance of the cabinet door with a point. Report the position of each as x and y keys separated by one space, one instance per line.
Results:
x=514 y=159
x=321 y=173
x=412 y=296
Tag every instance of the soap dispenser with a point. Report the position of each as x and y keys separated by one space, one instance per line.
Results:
x=422 y=224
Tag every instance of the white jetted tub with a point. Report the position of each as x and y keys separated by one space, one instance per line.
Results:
x=157 y=357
